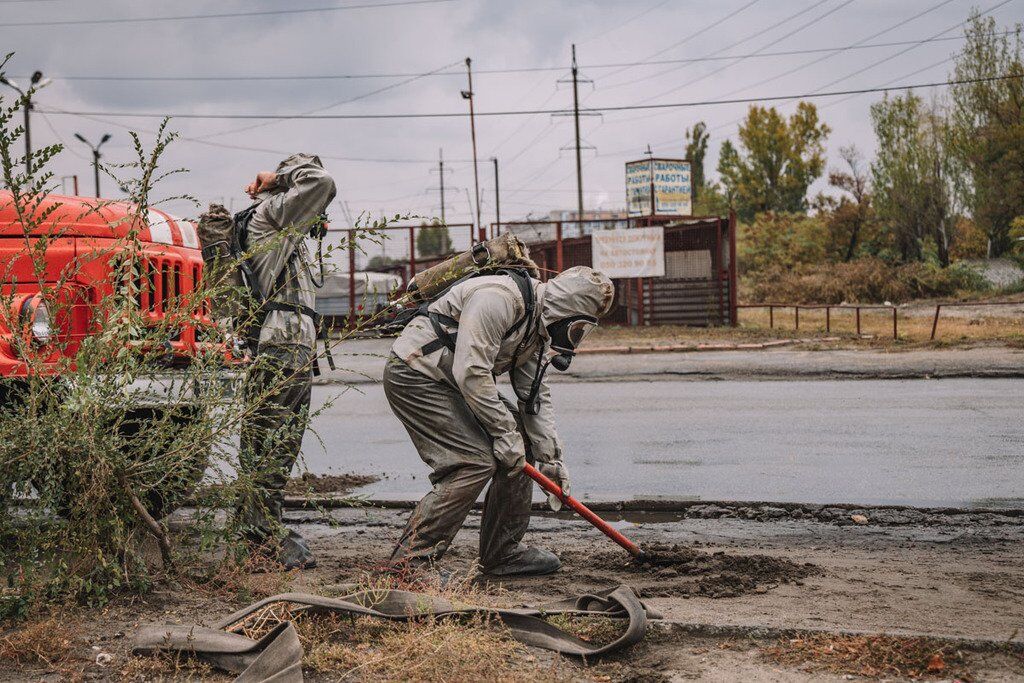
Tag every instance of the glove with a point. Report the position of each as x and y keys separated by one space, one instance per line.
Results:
x=559 y=473
x=510 y=453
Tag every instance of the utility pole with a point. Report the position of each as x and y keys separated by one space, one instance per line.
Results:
x=497 y=200
x=468 y=95
x=95 y=157
x=576 y=119
x=578 y=145
x=38 y=82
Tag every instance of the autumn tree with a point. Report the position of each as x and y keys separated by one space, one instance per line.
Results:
x=850 y=216
x=987 y=123
x=914 y=176
x=777 y=160
x=696 y=149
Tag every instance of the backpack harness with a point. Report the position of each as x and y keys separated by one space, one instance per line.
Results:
x=264 y=302
x=447 y=340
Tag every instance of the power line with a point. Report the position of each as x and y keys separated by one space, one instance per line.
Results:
x=861 y=44
x=222 y=15
x=760 y=32
x=778 y=40
x=529 y=112
x=696 y=33
x=245 y=148
x=898 y=24
x=533 y=69
x=363 y=96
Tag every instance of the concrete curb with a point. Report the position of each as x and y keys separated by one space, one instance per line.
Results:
x=690 y=348
x=760 y=511
x=759 y=632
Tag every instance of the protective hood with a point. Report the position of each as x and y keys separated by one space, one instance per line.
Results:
x=578 y=291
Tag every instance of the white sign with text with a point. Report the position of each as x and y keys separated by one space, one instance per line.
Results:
x=637 y=252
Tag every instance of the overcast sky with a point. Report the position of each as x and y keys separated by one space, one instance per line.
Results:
x=390 y=165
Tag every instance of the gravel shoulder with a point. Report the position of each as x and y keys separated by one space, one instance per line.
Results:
x=755 y=584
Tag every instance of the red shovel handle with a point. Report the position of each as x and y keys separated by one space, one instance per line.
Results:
x=584 y=512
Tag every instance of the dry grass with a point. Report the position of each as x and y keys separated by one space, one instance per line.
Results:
x=957 y=327
x=872 y=657
x=50 y=642
x=596 y=630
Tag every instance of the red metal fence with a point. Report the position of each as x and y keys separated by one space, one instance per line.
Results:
x=699 y=286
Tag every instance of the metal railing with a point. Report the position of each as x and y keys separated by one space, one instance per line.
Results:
x=857 y=308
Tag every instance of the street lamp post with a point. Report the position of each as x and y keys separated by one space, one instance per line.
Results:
x=38 y=82
x=95 y=157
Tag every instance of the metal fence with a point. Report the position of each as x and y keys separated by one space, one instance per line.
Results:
x=828 y=308
x=699 y=286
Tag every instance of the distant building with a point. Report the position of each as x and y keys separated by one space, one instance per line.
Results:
x=544 y=230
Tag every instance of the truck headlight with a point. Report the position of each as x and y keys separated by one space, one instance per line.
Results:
x=35 y=312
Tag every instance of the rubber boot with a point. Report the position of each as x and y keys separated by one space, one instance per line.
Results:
x=531 y=561
x=294 y=553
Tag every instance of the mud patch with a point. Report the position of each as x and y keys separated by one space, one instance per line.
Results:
x=327 y=483
x=686 y=572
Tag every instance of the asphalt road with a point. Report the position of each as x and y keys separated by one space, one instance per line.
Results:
x=956 y=442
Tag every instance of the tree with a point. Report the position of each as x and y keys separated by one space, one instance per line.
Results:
x=914 y=176
x=777 y=160
x=433 y=240
x=696 y=149
x=987 y=121
x=849 y=218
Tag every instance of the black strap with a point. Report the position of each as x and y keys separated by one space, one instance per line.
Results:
x=302 y=309
x=446 y=339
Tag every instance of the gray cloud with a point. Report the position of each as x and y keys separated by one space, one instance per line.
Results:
x=496 y=34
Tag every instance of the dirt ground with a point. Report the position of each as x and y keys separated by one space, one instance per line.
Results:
x=764 y=598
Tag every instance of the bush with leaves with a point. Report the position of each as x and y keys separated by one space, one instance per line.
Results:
x=90 y=461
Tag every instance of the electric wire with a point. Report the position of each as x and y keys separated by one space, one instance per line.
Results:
x=339 y=103
x=693 y=35
x=221 y=15
x=746 y=39
x=462 y=73
x=527 y=112
x=778 y=40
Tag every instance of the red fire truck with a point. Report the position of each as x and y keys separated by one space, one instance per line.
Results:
x=81 y=236
x=75 y=228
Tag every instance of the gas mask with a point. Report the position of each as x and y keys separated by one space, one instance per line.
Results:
x=566 y=335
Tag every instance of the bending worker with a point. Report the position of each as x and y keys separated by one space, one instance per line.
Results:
x=291 y=202
x=440 y=382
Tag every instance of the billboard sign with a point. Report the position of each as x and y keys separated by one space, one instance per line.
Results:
x=637 y=252
x=668 y=180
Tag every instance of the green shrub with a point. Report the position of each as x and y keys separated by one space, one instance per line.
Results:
x=865 y=280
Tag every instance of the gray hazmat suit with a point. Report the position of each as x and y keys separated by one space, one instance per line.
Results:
x=280 y=381
x=462 y=427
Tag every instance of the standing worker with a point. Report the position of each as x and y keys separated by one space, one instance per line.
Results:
x=440 y=382
x=291 y=202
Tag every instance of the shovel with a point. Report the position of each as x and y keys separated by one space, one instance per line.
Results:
x=586 y=513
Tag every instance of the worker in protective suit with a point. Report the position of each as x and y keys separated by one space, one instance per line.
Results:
x=291 y=201
x=466 y=431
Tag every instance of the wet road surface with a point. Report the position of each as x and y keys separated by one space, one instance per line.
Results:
x=956 y=442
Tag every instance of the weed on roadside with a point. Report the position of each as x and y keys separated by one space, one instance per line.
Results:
x=872 y=656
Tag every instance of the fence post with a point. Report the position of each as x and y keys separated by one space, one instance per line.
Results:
x=351 y=278
x=858 y=321
x=412 y=252
x=895 y=334
x=771 y=317
x=558 y=246
x=935 y=322
x=797 y=310
x=828 y=319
